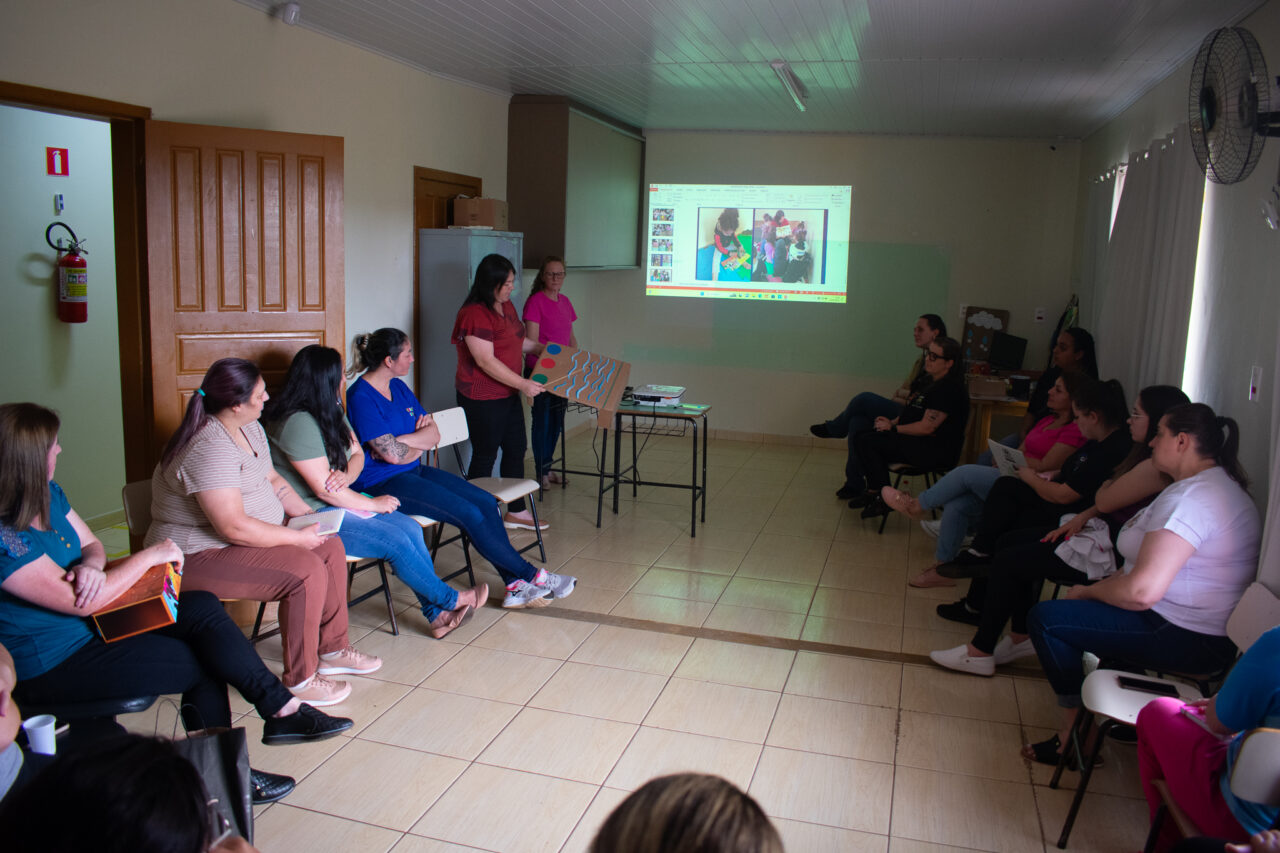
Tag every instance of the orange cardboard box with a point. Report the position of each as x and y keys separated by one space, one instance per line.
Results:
x=150 y=603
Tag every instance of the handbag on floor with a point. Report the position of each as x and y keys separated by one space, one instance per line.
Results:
x=221 y=757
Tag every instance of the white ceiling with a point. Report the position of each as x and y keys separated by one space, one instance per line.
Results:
x=1008 y=68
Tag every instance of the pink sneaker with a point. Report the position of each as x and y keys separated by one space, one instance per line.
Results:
x=348 y=661
x=318 y=691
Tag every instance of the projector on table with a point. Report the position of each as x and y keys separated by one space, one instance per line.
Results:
x=662 y=395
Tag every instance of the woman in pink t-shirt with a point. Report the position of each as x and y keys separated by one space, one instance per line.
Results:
x=548 y=319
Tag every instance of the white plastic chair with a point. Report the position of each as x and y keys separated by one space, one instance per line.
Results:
x=452 y=424
x=1257 y=612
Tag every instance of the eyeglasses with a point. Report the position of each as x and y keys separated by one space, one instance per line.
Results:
x=930 y=355
x=553 y=275
x=1135 y=414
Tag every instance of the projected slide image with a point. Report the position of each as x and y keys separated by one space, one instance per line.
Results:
x=724 y=246
x=779 y=243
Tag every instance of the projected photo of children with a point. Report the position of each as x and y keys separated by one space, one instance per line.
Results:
x=663 y=245
x=724 y=245
x=660 y=260
x=788 y=245
x=662 y=229
x=660 y=275
x=664 y=214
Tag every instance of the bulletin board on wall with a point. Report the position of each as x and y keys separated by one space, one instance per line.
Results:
x=980 y=326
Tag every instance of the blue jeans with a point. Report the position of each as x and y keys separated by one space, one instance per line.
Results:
x=1063 y=630
x=449 y=498
x=961 y=494
x=547 y=425
x=859 y=416
x=396 y=537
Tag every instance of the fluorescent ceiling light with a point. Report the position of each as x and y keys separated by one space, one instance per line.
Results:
x=790 y=82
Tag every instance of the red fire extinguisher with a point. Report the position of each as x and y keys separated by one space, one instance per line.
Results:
x=73 y=276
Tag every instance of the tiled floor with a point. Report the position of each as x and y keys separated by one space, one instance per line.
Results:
x=780 y=648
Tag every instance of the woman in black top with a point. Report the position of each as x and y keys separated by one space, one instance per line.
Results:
x=927 y=434
x=1026 y=501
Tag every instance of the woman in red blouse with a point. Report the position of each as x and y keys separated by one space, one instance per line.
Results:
x=491 y=344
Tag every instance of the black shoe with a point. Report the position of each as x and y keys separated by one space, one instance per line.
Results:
x=846 y=492
x=1123 y=734
x=966 y=565
x=864 y=499
x=876 y=508
x=958 y=611
x=305 y=724
x=269 y=787
x=821 y=431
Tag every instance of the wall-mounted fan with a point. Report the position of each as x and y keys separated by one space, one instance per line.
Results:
x=1229 y=105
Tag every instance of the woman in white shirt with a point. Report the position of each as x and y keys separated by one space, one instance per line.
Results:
x=1188 y=558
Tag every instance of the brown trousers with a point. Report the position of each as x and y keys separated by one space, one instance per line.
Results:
x=311 y=587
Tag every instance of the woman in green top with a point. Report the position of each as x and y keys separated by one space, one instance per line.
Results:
x=315 y=450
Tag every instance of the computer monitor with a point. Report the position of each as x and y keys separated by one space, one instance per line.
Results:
x=1007 y=351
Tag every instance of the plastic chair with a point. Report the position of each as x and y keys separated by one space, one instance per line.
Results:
x=452 y=424
x=1256 y=613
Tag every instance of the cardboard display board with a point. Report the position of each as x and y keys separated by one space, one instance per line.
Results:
x=980 y=324
x=583 y=377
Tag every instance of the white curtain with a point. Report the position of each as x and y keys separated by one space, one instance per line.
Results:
x=1149 y=271
x=1269 y=565
x=1097 y=234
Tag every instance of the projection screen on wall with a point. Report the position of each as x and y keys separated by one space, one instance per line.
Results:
x=731 y=241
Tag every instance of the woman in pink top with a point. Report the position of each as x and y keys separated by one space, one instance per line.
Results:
x=548 y=319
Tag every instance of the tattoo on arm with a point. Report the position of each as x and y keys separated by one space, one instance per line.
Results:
x=282 y=492
x=390 y=448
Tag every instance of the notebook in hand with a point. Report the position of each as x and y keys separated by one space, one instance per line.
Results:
x=1008 y=459
x=328 y=521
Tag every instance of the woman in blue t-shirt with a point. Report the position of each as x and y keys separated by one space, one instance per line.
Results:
x=315 y=450
x=54 y=574
x=396 y=431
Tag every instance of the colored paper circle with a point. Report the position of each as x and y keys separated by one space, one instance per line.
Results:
x=548 y=362
x=554 y=349
x=539 y=377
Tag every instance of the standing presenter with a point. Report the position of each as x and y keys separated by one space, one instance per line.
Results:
x=548 y=319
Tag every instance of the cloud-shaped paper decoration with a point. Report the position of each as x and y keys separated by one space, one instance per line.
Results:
x=985 y=320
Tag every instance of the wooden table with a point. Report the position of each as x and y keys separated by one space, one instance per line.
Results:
x=981 y=410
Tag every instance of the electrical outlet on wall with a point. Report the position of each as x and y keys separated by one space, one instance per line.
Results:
x=1040 y=312
x=963 y=309
x=1255 y=382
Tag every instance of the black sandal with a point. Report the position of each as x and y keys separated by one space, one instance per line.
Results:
x=1050 y=752
x=1046 y=751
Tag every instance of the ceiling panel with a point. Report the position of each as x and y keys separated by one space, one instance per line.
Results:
x=1005 y=68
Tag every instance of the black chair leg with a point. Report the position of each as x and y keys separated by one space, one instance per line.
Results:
x=884 y=519
x=1086 y=771
x=386 y=589
x=1156 y=823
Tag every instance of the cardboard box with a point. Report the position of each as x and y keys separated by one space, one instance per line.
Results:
x=986 y=386
x=150 y=603
x=480 y=212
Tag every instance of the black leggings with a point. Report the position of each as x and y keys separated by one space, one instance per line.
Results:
x=494 y=425
x=877 y=450
x=197 y=656
x=1021 y=565
x=1013 y=505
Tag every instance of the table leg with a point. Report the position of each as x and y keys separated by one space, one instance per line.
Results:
x=617 y=454
x=706 y=430
x=604 y=454
x=693 y=479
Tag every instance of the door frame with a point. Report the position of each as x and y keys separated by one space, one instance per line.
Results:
x=127 y=123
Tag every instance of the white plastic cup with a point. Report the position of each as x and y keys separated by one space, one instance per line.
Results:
x=40 y=734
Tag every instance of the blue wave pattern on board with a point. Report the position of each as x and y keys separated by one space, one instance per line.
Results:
x=594 y=377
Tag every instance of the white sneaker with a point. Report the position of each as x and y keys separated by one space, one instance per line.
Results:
x=560 y=585
x=524 y=594
x=1007 y=651
x=931 y=526
x=960 y=660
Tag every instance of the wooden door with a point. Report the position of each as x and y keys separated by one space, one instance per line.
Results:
x=244 y=254
x=433 y=190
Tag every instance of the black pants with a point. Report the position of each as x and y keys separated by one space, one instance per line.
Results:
x=197 y=656
x=1013 y=505
x=494 y=425
x=1021 y=565
x=877 y=450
